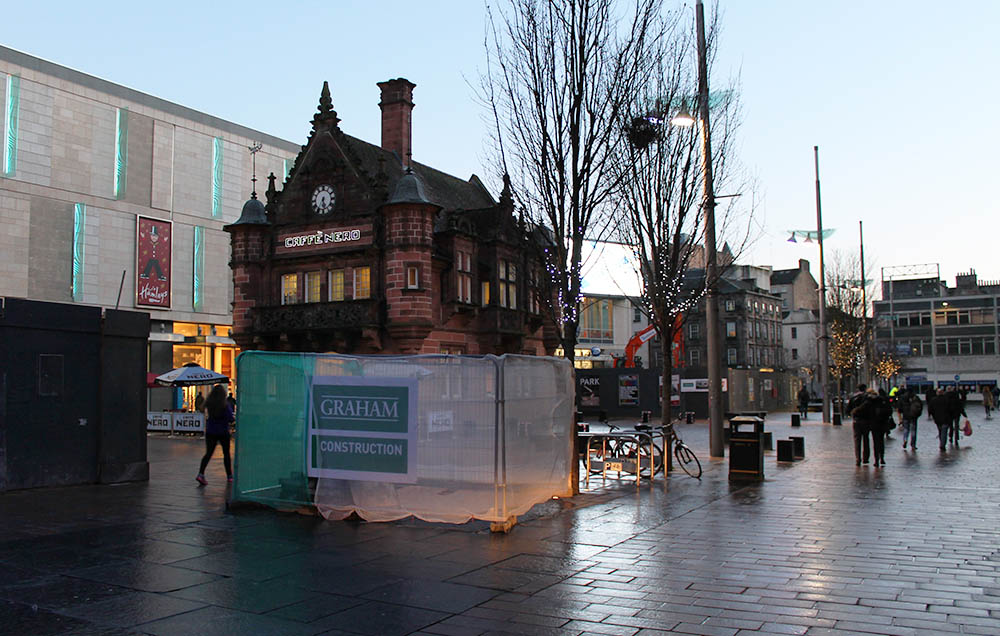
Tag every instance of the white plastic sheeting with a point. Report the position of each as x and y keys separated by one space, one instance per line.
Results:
x=493 y=439
x=493 y=435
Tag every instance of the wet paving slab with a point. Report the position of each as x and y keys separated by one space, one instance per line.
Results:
x=820 y=547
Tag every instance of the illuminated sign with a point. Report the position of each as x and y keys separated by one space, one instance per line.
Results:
x=324 y=239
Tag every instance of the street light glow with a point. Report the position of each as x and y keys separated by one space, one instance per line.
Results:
x=683 y=118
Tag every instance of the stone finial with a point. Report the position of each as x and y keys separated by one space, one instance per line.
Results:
x=325 y=114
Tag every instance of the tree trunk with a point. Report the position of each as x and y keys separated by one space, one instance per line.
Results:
x=666 y=350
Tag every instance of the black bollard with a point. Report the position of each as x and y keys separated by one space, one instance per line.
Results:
x=798 y=447
x=796 y=419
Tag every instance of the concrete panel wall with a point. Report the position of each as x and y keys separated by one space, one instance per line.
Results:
x=163 y=165
x=50 y=250
x=15 y=213
x=140 y=160
x=34 y=150
x=192 y=173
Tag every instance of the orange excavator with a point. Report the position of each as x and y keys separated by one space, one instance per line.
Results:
x=645 y=335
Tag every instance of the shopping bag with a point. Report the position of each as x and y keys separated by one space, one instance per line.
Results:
x=967 y=429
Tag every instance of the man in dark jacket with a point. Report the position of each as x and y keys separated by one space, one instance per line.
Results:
x=804 y=402
x=910 y=408
x=939 y=411
x=956 y=409
x=862 y=408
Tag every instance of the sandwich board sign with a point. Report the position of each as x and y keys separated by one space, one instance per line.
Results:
x=362 y=428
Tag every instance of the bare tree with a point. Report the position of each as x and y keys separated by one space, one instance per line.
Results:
x=847 y=299
x=660 y=186
x=561 y=74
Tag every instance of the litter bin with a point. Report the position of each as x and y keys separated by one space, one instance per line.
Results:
x=746 y=448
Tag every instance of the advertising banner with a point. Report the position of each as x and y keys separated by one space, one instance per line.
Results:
x=152 y=250
x=189 y=423
x=362 y=429
x=628 y=390
x=159 y=420
x=589 y=390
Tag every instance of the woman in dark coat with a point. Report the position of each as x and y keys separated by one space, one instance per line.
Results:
x=220 y=415
x=939 y=411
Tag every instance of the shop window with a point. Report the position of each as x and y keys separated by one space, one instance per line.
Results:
x=596 y=320
x=507 y=290
x=362 y=283
x=463 y=262
x=289 y=289
x=413 y=277
x=312 y=290
x=336 y=285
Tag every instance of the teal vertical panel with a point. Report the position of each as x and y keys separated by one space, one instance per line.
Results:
x=121 y=151
x=11 y=114
x=217 y=177
x=79 y=234
x=198 y=290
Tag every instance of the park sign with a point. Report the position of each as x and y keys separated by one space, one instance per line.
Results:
x=362 y=428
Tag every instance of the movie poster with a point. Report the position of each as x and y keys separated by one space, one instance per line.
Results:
x=152 y=248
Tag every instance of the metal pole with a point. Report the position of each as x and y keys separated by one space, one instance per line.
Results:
x=716 y=447
x=866 y=368
x=824 y=338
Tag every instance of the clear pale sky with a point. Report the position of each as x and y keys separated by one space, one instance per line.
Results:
x=900 y=96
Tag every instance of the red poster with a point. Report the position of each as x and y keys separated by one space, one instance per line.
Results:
x=152 y=248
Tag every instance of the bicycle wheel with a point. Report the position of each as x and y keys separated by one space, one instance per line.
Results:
x=687 y=460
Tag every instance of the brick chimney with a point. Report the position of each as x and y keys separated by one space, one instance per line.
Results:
x=803 y=265
x=397 y=112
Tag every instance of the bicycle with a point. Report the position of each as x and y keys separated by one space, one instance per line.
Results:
x=634 y=454
x=685 y=457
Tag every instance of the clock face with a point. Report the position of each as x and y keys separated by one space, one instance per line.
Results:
x=323 y=199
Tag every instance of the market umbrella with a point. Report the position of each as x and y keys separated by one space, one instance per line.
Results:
x=190 y=374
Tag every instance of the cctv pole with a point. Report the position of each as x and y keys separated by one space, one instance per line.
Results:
x=824 y=338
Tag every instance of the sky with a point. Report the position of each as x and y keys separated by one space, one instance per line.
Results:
x=900 y=97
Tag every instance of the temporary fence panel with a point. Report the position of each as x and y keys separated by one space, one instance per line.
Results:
x=389 y=437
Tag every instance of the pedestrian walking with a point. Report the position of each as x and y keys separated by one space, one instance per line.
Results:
x=910 y=409
x=883 y=424
x=937 y=409
x=988 y=402
x=862 y=409
x=804 y=398
x=220 y=415
x=956 y=410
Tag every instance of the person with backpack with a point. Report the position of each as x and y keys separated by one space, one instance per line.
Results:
x=861 y=407
x=910 y=409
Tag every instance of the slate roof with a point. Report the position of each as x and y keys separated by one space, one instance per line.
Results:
x=451 y=193
x=784 y=276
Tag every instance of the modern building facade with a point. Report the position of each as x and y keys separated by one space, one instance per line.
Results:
x=942 y=336
x=607 y=323
x=363 y=250
x=110 y=197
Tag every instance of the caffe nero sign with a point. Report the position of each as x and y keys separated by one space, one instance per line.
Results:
x=362 y=428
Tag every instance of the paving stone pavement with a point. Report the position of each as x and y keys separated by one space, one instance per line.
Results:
x=820 y=547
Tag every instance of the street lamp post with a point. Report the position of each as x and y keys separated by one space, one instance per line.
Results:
x=716 y=447
x=824 y=338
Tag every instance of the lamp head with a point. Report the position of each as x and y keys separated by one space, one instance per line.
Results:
x=683 y=118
